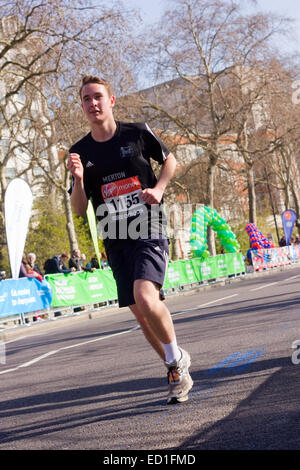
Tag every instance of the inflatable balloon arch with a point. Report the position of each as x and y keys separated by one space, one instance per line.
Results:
x=201 y=219
x=257 y=239
x=257 y=254
x=262 y=252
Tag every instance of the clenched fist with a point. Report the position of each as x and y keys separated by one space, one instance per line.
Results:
x=74 y=165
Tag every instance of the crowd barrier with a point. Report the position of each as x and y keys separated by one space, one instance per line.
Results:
x=21 y=296
x=67 y=294
x=61 y=293
x=193 y=271
x=274 y=257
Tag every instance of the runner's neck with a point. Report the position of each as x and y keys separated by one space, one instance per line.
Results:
x=104 y=131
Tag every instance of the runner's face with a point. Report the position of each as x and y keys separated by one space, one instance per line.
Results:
x=96 y=103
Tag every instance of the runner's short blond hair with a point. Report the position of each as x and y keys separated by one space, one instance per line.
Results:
x=94 y=79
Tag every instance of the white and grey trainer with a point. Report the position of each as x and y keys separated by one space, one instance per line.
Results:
x=179 y=380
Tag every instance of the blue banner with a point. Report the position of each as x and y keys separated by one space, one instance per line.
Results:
x=289 y=218
x=23 y=296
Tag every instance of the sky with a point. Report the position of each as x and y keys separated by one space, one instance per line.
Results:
x=151 y=10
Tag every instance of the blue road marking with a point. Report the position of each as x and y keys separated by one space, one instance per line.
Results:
x=258 y=353
x=244 y=356
x=223 y=363
x=227 y=364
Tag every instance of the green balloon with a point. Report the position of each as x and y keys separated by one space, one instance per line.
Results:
x=201 y=219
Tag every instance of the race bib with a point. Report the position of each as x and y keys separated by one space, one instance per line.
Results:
x=123 y=198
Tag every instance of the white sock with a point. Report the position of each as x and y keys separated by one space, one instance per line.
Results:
x=172 y=352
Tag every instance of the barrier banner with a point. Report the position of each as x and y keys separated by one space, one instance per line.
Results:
x=235 y=263
x=294 y=251
x=23 y=296
x=207 y=269
x=176 y=275
x=80 y=288
x=190 y=271
x=83 y=288
x=274 y=257
x=196 y=270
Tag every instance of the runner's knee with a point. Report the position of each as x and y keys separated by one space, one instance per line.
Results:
x=146 y=294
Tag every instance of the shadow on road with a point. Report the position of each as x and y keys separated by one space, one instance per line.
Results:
x=41 y=414
x=269 y=419
x=262 y=310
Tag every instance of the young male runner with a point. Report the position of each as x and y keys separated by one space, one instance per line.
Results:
x=111 y=166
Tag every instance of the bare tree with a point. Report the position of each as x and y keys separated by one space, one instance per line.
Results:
x=202 y=48
x=283 y=130
x=42 y=46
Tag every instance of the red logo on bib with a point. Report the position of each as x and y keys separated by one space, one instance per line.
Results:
x=121 y=187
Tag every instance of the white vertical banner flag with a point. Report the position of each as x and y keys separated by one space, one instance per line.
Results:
x=17 y=207
x=93 y=229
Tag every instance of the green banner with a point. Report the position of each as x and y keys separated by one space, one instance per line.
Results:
x=235 y=263
x=196 y=270
x=190 y=272
x=175 y=274
x=82 y=288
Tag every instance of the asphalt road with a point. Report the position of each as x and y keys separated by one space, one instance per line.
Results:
x=95 y=384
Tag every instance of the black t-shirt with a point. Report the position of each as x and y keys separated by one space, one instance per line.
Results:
x=115 y=173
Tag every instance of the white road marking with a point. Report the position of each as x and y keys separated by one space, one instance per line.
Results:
x=39 y=358
x=290 y=278
x=273 y=283
x=50 y=353
x=264 y=286
x=203 y=305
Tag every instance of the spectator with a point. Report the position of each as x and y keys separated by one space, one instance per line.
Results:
x=57 y=264
x=2 y=275
x=282 y=241
x=31 y=257
x=297 y=240
x=104 y=262
x=249 y=257
x=76 y=262
x=94 y=262
x=27 y=271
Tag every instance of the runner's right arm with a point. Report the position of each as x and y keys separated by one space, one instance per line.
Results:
x=79 y=200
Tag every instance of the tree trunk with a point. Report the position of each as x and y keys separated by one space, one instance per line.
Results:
x=210 y=203
x=296 y=204
x=3 y=242
x=251 y=195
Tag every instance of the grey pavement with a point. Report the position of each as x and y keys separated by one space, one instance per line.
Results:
x=95 y=384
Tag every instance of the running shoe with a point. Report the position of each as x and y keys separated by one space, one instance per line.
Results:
x=179 y=380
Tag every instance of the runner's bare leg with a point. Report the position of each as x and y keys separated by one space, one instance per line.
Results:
x=148 y=333
x=146 y=294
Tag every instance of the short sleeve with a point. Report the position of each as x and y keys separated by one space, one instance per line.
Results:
x=154 y=146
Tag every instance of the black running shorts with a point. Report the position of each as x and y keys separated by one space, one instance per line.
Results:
x=138 y=259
